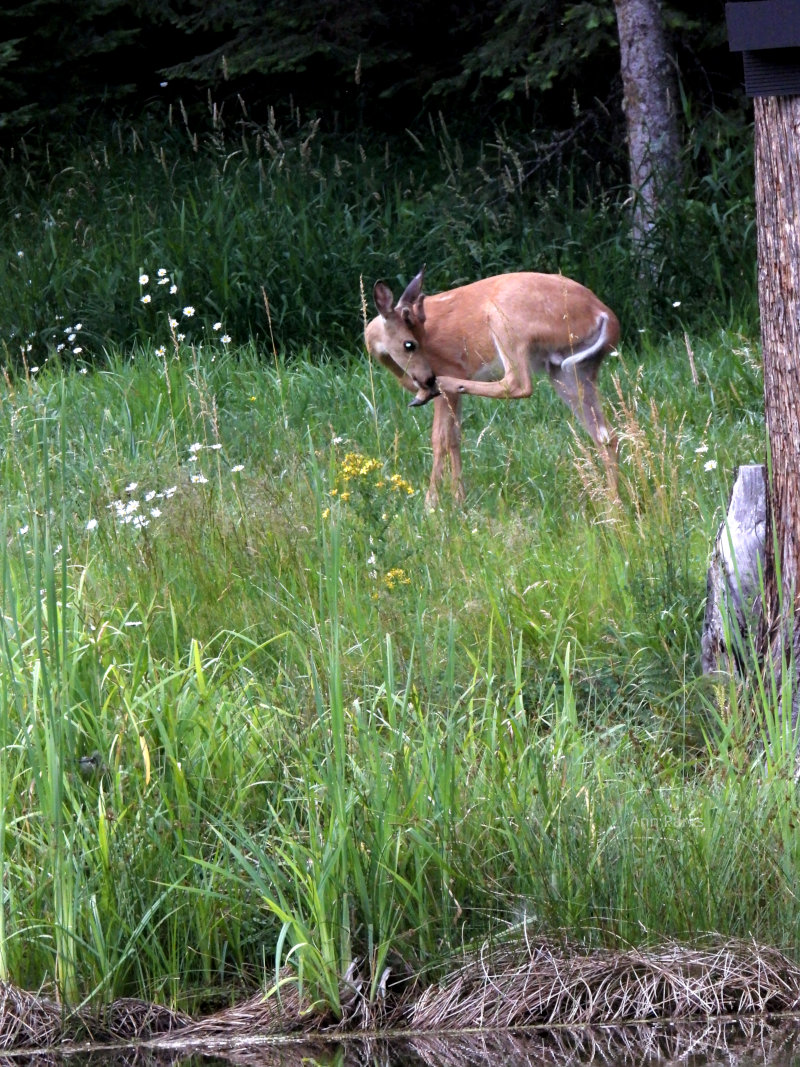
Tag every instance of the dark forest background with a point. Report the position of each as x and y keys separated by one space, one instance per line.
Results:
x=364 y=65
x=295 y=151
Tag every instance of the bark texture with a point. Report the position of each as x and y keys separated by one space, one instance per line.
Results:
x=777 y=163
x=649 y=102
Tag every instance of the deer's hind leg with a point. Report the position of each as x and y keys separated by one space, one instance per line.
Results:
x=576 y=384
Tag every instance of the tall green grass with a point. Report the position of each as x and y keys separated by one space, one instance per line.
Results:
x=236 y=213
x=258 y=706
x=276 y=724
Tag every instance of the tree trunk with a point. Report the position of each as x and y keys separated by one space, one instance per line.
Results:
x=777 y=162
x=649 y=102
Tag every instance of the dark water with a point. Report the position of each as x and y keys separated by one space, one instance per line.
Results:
x=741 y=1043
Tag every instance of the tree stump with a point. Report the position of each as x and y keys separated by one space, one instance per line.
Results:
x=736 y=578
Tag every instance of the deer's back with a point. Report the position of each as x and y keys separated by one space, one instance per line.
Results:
x=536 y=311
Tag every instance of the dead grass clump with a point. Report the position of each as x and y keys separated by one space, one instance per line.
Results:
x=283 y=1010
x=130 y=1019
x=527 y=984
x=508 y=987
x=33 y=1021
x=28 y=1020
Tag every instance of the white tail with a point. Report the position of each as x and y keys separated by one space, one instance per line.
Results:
x=489 y=339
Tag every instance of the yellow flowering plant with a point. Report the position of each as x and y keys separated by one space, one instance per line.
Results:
x=369 y=496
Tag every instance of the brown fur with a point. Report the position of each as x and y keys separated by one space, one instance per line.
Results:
x=489 y=339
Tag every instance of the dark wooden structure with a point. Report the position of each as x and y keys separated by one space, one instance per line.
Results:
x=767 y=33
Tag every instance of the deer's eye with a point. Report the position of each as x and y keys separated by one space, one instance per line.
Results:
x=409 y=346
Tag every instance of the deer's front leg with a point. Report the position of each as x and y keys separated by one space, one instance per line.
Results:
x=446 y=441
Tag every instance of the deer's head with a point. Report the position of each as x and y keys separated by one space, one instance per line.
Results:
x=401 y=337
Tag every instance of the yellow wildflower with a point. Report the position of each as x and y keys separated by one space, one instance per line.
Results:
x=396 y=576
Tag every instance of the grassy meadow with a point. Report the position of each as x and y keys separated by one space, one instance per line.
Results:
x=260 y=707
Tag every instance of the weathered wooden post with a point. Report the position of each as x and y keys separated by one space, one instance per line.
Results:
x=768 y=33
x=735 y=579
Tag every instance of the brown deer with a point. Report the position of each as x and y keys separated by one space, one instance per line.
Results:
x=489 y=339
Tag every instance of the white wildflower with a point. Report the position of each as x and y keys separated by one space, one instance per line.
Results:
x=145 y=299
x=188 y=311
x=91 y=525
x=199 y=479
x=710 y=466
x=144 y=279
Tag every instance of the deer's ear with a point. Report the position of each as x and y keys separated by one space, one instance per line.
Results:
x=384 y=299
x=412 y=290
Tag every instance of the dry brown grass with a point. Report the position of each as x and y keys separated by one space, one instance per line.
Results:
x=529 y=984
x=471 y=1016
x=27 y=1020
x=33 y=1021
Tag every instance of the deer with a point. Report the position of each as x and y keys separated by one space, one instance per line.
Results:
x=490 y=338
